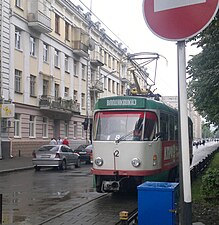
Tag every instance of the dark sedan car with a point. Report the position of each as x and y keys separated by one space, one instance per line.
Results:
x=85 y=152
x=59 y=156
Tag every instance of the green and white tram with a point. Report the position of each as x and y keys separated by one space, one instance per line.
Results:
x=135 y=139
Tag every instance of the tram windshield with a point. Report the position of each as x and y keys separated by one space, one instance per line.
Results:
x=124 y=126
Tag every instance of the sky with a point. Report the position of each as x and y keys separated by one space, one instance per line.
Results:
x=123 y=20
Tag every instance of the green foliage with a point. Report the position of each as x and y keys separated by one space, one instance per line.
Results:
x=203 y=70
x=210 y=184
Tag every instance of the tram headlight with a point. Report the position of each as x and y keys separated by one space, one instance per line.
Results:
x=136 y=162
x=98 y=161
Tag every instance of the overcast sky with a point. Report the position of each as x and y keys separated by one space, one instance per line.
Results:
x=125 y=22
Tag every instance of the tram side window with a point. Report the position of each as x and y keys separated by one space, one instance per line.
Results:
x=171 y=126
x=164 y=126
x=150 y=126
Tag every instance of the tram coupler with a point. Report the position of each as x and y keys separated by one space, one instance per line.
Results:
x=111 y=185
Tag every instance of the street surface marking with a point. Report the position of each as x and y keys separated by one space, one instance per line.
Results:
x=161 y=5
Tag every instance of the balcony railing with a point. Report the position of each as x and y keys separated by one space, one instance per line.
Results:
x=80 y=48
x=97 y=86
x=96 y=58
x=59 y=105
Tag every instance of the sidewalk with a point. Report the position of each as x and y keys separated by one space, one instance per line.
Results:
x=15 y=163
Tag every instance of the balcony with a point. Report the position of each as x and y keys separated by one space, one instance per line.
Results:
x=80 y=49
x=97 y=86
x=80 y=42
x=39 y=16
x=58 y=108
x=96 y=59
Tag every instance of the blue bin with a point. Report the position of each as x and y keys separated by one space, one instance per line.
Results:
x=157 y=202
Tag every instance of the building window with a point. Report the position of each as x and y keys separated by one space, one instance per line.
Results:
x=32 y=85
x=67 y=31
x=66 y=128
x=45 y=127
x=57 y=23
x=56 y=91
x=32 y=126
x=75 y=97
x=75 y=68
x=105 y=82
x=105 y=58
x=17 y=81
x=109 y=84
x=18 y=3
x=45 y=52
x=45 y=87
x=66 y=92
x=56 y=58
x=17 y=39
x=66 y=63
x=75 y=130
x=32 y=46
x=109 y=61
x=117 y=89
x=113 y=86
x=17 y=125
x=83 y=72
x=83 y=100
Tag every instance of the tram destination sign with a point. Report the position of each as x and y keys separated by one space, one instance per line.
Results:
x=122 y=102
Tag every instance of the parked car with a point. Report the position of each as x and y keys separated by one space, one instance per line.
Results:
x=60 y=156
x=85 y=152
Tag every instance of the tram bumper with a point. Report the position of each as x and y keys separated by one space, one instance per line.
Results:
x=110 y=186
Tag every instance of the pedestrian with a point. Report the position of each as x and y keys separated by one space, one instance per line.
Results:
x=65 y=141
x=59 y=141
x=53 y=141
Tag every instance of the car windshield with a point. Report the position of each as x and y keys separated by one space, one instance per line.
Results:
x=53 y=148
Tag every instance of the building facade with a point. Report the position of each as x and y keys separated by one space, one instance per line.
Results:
x=55 y=63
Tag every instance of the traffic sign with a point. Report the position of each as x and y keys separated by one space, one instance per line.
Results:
x=178 y=19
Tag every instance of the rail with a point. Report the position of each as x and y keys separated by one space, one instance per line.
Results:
x=195 y=171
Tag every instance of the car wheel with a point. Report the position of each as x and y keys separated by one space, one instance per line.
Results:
x=63 y=165
x=78 y=164
x=37 y=168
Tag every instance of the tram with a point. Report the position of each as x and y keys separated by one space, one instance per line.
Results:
x=135 y=139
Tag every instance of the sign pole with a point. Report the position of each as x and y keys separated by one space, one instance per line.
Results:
x=184 y=137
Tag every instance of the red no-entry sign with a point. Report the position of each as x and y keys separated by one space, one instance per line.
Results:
x=178 y=19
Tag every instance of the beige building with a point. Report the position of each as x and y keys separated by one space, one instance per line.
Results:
x=195 y=117
x=55 y=63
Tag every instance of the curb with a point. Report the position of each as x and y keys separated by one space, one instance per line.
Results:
x=16 y=169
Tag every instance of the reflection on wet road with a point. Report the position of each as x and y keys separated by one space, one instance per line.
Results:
x=30 y=197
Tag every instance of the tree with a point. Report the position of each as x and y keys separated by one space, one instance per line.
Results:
x=203 y=70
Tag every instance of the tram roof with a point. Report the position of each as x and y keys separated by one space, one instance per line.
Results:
x=132 y=102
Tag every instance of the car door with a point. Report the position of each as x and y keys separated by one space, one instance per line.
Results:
x=74 y=156
x=65 y=154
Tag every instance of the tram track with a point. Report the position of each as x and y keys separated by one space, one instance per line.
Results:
x=70 y=210
x=100 y=210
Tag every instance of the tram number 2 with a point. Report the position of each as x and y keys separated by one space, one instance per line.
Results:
x=116 y=153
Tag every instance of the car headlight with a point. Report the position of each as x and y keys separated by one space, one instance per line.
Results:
x=98 y=161
x=136 y=162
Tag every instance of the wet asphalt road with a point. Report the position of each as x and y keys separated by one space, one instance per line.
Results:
x=31 y=198
x=34 y=198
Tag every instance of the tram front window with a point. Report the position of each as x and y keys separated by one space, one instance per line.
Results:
x=111 y=126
